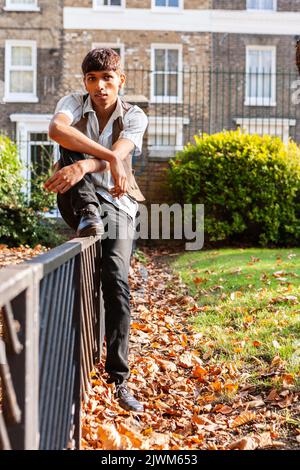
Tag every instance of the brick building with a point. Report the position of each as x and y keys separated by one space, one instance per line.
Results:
x=194 y=65
x=30 y=71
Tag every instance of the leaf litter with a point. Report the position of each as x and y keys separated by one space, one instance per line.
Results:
x=191 y=402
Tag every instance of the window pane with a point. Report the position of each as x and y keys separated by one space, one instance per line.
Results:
x=109 y=3
x=21 y=82
x=160 y=59
x=39 y=137
x=172 y=80
x=21 y=55
x=159 y=84
x=167 y=3
x=260 y=4
x=172 y=60
x=259 y=79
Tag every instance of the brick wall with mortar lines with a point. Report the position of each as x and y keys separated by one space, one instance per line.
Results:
x=44 y=27
x=196 y=54
x=282 y=5
x=188 y=4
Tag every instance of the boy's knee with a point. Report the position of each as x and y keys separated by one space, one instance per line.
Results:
x=68 y=157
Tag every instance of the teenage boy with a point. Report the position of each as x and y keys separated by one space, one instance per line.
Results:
x=100 y=124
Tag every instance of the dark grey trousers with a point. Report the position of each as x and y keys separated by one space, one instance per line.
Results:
x=116 y=252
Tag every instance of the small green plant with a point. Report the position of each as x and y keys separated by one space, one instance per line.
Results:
x=22 y=215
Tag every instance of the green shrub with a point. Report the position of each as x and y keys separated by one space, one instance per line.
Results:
x=11 y=180
x=250 y=186
x=22 y=219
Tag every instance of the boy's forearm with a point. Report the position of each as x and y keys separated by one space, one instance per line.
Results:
x=93 y=165
x=72 y=139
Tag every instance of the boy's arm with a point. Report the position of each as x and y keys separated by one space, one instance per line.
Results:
x=61 y=131
x=65 y=178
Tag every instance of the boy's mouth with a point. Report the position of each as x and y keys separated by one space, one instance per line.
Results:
x=101 y=95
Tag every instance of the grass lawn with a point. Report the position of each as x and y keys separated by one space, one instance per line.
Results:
x=249 y=306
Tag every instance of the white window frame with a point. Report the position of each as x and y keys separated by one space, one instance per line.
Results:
x=112 y=45
x=166 y=126
x=262 y=9
x=263 y=101
x=167 y=9
x=109 y=8
x=27 y=124
x=21 y=7
x=20 y=97
x=166 y=99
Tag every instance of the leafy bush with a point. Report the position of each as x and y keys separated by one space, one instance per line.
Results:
x=250 y=186
x=10 y=172
x=22 y=220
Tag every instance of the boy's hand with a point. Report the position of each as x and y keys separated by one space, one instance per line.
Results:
x=119 y=176
x=65 y=178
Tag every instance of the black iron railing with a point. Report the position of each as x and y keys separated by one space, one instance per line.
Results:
x=52 y=328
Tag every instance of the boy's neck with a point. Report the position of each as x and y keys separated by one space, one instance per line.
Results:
x=104 y=113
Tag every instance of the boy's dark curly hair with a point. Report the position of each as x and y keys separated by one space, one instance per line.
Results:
x=101 y=59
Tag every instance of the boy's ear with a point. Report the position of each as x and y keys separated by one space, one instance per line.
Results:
x=122 y=80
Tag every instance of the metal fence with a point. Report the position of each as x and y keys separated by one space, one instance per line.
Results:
x=195 y=101
x=190 y=102
x=52 y=326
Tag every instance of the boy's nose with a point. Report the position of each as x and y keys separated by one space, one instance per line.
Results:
x=100 y=84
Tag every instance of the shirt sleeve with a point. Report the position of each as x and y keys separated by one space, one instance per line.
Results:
x=135 y=124
x=71 y=105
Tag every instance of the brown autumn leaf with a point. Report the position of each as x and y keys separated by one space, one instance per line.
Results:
x=186 y=361
x=199 y=371
x=252 y=442
x=109 y=437
x=244 y=418
x=135 y=437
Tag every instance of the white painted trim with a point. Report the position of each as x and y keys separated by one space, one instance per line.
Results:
x=112 y=45
x=21 y=7
x=166 y=99
x=263 y=101
x=25 y=125
x=215 y=21
x=111 y=8
x=20 y=97
x=166 y=125
x=262 y=9
x=273 y=126
x=167 y=9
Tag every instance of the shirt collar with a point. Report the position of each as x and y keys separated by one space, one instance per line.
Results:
x=88 y=108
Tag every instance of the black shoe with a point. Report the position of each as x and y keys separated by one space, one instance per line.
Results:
x=90 y=224
x=126 y=400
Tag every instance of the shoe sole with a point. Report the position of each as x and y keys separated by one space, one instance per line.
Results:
x=92 y=231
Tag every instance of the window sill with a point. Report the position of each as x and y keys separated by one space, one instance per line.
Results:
x=257 y=103
x=166 y=10
x=22 y=9
x=166 y=100
x=109 y=9
x=20 y=99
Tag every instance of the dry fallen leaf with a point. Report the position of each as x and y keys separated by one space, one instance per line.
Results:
x=244 y=418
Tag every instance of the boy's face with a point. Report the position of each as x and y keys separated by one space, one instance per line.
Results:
x=103 y=86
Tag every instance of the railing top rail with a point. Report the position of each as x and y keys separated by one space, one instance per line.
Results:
x=13 y=280
x=61 y=254
x=16 y=278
